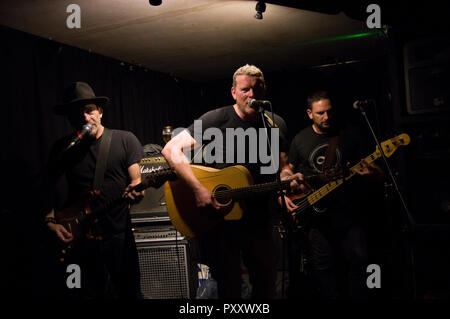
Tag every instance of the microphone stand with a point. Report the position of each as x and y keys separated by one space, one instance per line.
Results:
x=284 y=212
x=409 y=228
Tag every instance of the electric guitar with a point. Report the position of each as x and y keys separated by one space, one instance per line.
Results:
x=228 y=186
x=305 y=201
x=79 y=217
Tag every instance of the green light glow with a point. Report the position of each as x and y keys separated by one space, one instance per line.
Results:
x=346 y=37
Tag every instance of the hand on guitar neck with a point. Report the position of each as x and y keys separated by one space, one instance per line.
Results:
x=133 y=194
x=135 y=191
x=370 y=170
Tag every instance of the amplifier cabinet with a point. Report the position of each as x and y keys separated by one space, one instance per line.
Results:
x=154 y=201
x=167 y=268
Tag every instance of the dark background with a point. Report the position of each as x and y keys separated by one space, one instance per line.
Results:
x=414 y=261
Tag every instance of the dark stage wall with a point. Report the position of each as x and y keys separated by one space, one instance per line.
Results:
x=35 y=72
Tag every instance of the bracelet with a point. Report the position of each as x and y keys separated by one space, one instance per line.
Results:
x=49 y=220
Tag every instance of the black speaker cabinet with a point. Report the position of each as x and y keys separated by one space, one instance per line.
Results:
x=168 y=270
x=427 y=75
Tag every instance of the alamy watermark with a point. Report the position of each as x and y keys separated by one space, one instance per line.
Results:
x=73 y=21
x=74 y=279
x=374 y=19
x=374 y=279
x=236 y=139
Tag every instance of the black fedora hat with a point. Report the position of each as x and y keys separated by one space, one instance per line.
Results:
x=77 y=94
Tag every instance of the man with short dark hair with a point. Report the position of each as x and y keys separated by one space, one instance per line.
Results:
x=335 y=228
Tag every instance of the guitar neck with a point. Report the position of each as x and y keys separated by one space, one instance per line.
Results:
x=369 y=159
x=156 y=179
x=152 y=180
x=330 y=186
x=249 y=191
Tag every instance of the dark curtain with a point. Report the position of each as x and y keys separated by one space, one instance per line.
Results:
x=35 y=72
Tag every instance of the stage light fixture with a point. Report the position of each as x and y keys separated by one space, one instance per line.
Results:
x=155 y=2
x=260 y=8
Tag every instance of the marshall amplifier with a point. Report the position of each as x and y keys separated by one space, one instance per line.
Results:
x=167 y=266
x=153 y=205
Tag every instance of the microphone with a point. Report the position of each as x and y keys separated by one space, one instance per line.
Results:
x=80 y=134
x=360 y=104
x=258 y=104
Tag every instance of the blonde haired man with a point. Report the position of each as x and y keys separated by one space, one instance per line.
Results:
x=250 y=237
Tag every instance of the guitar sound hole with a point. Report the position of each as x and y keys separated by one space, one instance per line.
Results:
x=221 y=198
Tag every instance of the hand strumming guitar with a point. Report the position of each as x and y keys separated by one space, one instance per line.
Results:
x=60 y=231
x=204 y=198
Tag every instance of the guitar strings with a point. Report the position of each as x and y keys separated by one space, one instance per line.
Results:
x=255 y=189
x=317 y=195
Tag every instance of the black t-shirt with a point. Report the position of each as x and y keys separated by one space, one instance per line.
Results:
x=252 y=154
x=224 y=120
x=307 y=155
x=74 y=172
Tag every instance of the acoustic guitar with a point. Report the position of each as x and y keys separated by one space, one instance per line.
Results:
x=228 y=186
x=305 y=201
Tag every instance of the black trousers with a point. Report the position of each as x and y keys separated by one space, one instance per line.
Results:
x=339 y=259
x=109 y=269
x=232 y=243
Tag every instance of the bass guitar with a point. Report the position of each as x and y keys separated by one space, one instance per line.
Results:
x=305 y=201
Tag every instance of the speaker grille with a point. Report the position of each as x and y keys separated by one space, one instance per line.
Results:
x=164 y=270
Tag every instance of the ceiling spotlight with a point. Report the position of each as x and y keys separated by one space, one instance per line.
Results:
x=260 y=8
x=155 y=2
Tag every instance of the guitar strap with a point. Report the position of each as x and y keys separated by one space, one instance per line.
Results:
x=331 y=153
x=102 y=159
x=269 y=120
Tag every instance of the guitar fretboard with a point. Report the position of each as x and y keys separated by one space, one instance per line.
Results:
x=330 y=186
x=248 y=191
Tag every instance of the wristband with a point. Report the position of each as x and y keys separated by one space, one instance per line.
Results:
x=50 y=220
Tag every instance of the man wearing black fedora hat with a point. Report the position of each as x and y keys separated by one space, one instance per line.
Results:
x=92 y=176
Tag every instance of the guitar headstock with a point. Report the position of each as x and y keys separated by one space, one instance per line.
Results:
x=389 y=146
